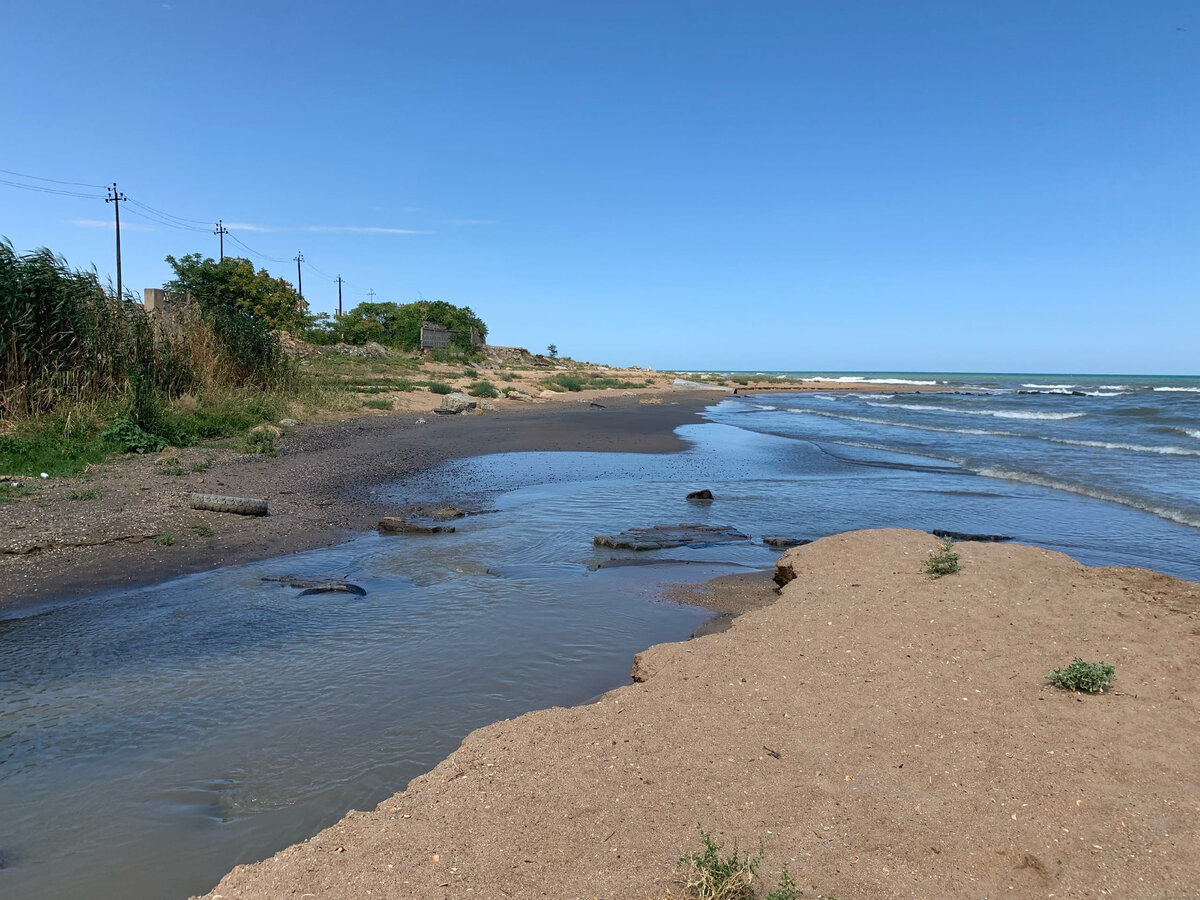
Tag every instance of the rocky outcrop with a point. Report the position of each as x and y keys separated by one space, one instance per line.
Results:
x=393 y=525
x=453 y=404
x=701 y=496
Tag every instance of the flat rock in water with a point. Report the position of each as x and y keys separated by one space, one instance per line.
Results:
x=964 y=536
x=335 y=587
x=783 y=543
x=392 y=525
x=664 y=537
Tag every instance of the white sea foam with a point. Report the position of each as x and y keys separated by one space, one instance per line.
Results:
x=1181 y=390
x=1134 y=448
x=1059 y=387
x=1076 y=392
x=997 y=413
x=863 y=379
x=1115 y=387
x=1164 y=512
x=1190 y=432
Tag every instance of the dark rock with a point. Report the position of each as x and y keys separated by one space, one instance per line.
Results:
x=701 y=496
x=334 y=587
x=964 y=536
x=598 y=405
x=392 y=525
x=664 y=537
x=783 y=543
x=785 y=572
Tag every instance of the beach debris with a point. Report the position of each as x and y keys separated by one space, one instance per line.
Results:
x=785 y=572
x=393 y=525
x=242 y=506
x=773 y=753
x=964 y=536
x=597 y=405
x=783 y=543
x=455 y=403
x=666 y=537
x=334 y=587
x=701 y=496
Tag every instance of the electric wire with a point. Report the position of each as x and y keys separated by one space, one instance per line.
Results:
x=53 y=180
x=46 y=190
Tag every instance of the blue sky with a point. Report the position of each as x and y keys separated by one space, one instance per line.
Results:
x=953 y=186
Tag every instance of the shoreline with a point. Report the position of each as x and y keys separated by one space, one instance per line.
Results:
x=879 y=734
x=319 y=487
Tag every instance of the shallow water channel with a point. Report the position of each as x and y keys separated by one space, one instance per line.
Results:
x=150 y=740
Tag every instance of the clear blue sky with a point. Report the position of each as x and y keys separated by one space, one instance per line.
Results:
x=958 y=185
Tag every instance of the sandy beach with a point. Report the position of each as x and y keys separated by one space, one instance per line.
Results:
x=878 y=733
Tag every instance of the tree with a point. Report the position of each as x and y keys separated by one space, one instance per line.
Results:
x=233 y=283
x=552 y=351
x=399 y=324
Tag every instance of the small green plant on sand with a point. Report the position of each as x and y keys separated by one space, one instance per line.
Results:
x=710 y=876
x=787 y=890
x=944 y=561
x=202 y=530
x=378 y=404
x=440 y=387
x=84 y=494
x=166 y=539
x=11 y=491
x=1083 y=676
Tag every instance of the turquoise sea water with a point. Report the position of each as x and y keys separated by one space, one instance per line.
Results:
x=152 y=739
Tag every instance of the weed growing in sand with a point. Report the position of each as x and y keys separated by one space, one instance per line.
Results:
x=710 y=876
x=483 y=389
x=202 y=465
x=1083 y=676
x=787 y=890
x=440 y=387
x=260 y=442
x=169 y=466
x=166 y=539
x=944 y=561
x=378 y=404
x=84 y=494
x=202 y=530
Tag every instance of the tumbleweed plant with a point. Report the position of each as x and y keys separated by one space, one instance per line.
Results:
x=710 y=876
x=1083 y=676
x=944 y=561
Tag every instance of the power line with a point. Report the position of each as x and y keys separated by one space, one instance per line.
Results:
x=45 y=190
x=160 y=221
x=52 y=180
x=167 y=215
x=254 y=252
x=221 y=231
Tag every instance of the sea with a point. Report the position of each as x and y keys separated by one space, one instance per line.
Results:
x=151 y=739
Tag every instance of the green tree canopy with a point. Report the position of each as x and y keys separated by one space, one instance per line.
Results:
x=399 y=324
x=232 y=283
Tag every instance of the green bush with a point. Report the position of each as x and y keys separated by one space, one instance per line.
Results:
x=378 y=404
x=944 y=561
x=483 y=389
x=259 y=442
x=126 y=437
x=1083 y=676
x=710 y=876
x=439 y=387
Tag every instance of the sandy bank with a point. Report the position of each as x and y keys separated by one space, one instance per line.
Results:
x=920 y=753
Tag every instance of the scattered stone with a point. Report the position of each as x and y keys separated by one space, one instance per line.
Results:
x=964 y=536
x=392 y=525
x=783 y=543
x=701 y=496
x=369 y=350
x=664 y=537
x=288 y=423
x=518 y=394
x=446 y=513
x=419 y=422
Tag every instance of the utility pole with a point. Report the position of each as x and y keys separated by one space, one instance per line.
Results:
x=222 y=231
x=115 y=197
x=371 y=294
x=339 y=296
x=299 y=258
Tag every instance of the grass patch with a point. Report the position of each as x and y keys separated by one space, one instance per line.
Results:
x=202 y=465
x=564 y=381
x=169 y=466
x=10 y=492
x=259 y=442
x=943 y=561
x=378 y=404
x=84 y=494
x=1083 y=676
x=440 y=387
x=483 y=389
x=166 y=539
x=201 y=529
